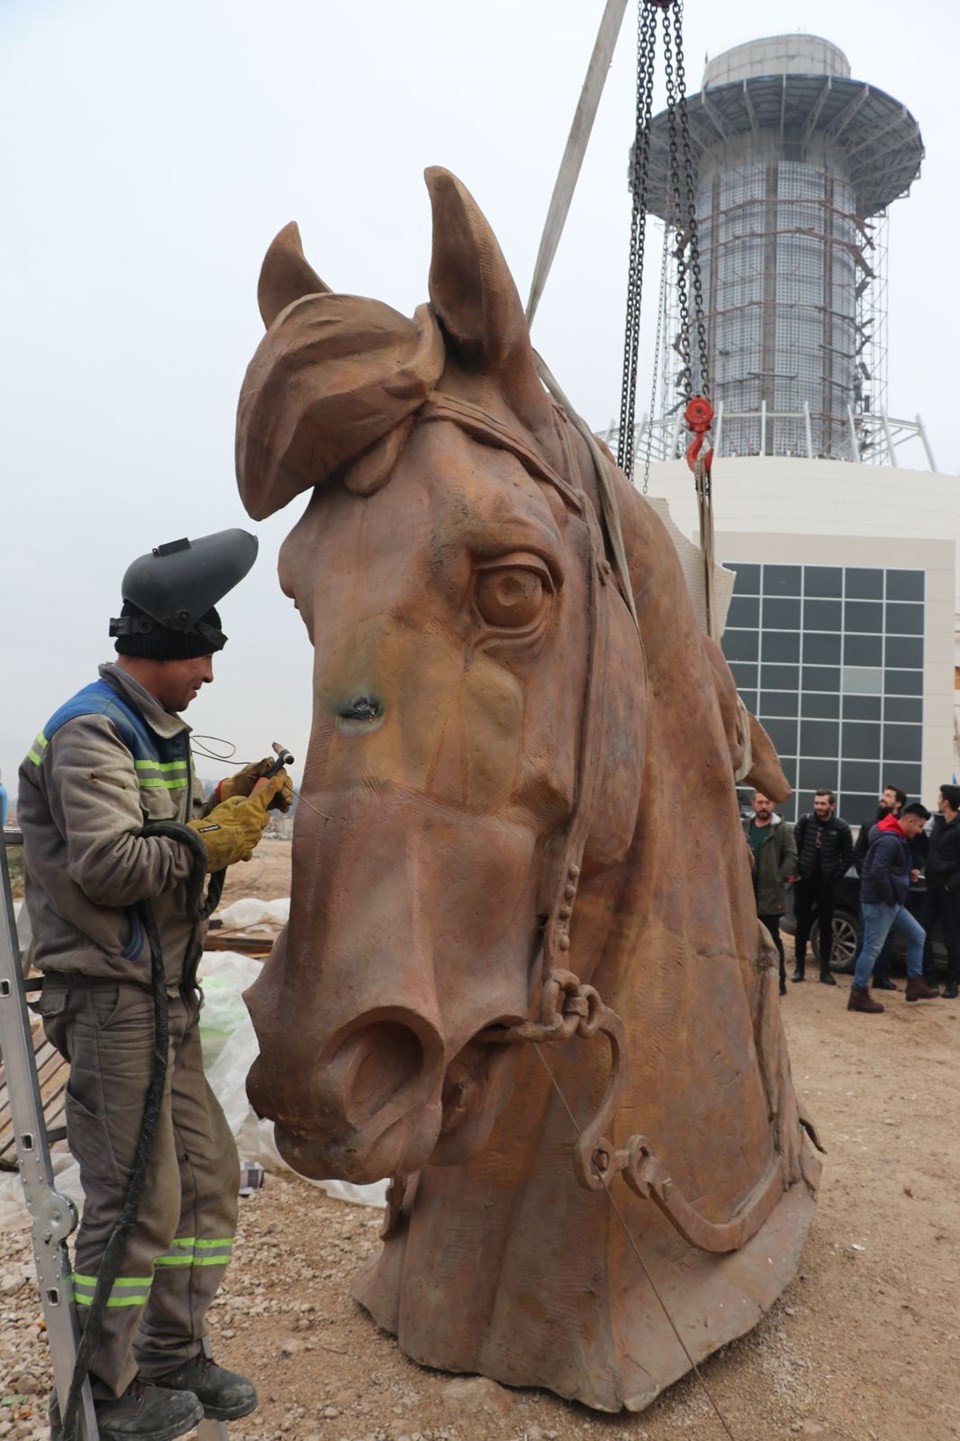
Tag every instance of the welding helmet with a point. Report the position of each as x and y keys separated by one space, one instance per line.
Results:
x=170 y=595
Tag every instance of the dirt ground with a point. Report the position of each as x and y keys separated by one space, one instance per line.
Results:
x=862 y=1347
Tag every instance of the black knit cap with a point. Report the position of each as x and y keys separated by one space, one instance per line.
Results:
x=150 y=640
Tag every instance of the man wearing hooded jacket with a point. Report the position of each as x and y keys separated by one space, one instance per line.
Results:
x=885 y=880
x=113 y=758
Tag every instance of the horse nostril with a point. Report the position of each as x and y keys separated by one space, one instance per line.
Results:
x=362 y=708
x=388 y=1057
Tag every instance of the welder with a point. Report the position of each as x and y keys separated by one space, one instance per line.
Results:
x=115 y=831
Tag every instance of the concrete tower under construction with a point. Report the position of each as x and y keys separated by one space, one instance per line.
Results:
x=794 y=165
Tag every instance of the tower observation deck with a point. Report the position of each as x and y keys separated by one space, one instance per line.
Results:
x=795 y=164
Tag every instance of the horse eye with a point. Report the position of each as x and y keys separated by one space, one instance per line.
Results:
x=511 y=597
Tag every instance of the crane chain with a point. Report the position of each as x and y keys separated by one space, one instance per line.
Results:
x=681 y=215
x=693 y=243
x=640 y=164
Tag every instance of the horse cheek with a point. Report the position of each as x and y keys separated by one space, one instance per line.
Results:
x=492 y=712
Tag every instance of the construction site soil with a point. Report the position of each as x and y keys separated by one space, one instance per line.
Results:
x=863 y=1346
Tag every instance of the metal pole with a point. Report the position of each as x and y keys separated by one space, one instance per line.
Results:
x=54 y=1216
x=718 y=431
x=926 y=444
x=854 y=442
x=808 y=429
x=889 y=435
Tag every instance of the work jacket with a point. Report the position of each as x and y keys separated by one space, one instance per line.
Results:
x=776 y=860
x=885 y=877
x=833 y=840
x=109 y=760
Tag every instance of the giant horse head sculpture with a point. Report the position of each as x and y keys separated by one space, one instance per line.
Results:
x=523 y=966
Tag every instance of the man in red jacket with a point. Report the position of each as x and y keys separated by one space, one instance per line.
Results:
x=885 y=880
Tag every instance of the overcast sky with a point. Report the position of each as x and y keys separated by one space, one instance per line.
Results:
x=151 y=151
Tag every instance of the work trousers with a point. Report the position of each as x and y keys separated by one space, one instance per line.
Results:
x=176 y=1252
x=942 y=905
x=772 y=924
x=815 y=892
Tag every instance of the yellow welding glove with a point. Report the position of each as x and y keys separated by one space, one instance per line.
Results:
x=243 y=782
x=232 y=829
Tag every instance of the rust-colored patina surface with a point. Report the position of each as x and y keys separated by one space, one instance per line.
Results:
x=523 y=964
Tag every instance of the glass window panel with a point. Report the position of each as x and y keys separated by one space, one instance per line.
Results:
x=781 y=614
x=902 y=743
x=822 y=580
x=749 y=698
x=781 y=579
x=817 y=704
x=864 y=615
x=904 y=619
x=821 y=677
x=748 y=577
x=815 y=775
x=782 y=732
x=863 y=584
x=820 y=738
x=863 y=776
x=822 y=615
x=905 y=585
x=779 y=702
x=744 y=675
x=781 y=646
x=862 y=707
x=904 y=650
x=789 y=767
x=861 y=740
x=862 y=679
x=903 y=682
x=744 y=612
x=863 y=650
x=821 y=649
x=907 y=777
x=780 y=677
x=856 y=807
x=741 y=644
x=902 y=708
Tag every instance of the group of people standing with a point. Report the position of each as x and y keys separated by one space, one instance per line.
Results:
x=892 y=849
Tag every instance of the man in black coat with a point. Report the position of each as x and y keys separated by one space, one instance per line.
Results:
x=824 y=850
x=942 y=900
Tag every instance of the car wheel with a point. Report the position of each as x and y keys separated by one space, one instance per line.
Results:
x=845 y=936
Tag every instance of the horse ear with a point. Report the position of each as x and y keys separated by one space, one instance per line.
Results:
x=285 y=275
x=476 y=300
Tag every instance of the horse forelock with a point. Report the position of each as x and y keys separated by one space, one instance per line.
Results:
x=334 y=390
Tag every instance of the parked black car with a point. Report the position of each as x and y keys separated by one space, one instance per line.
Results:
x=846 y=923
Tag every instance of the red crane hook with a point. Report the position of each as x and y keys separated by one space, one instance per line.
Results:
x=699 y=418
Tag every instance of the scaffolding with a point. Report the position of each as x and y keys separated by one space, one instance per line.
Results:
x=793 y=175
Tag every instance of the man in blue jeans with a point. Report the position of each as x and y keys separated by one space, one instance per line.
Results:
x=884 y=882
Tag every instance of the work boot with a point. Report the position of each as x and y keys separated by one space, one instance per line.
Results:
x=860 y=999
x=950 y=991
x=224 y=1395
x=883 y=983
x=142 y=1413
x=918 y=990
x=798 y=971
x=826 y=976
